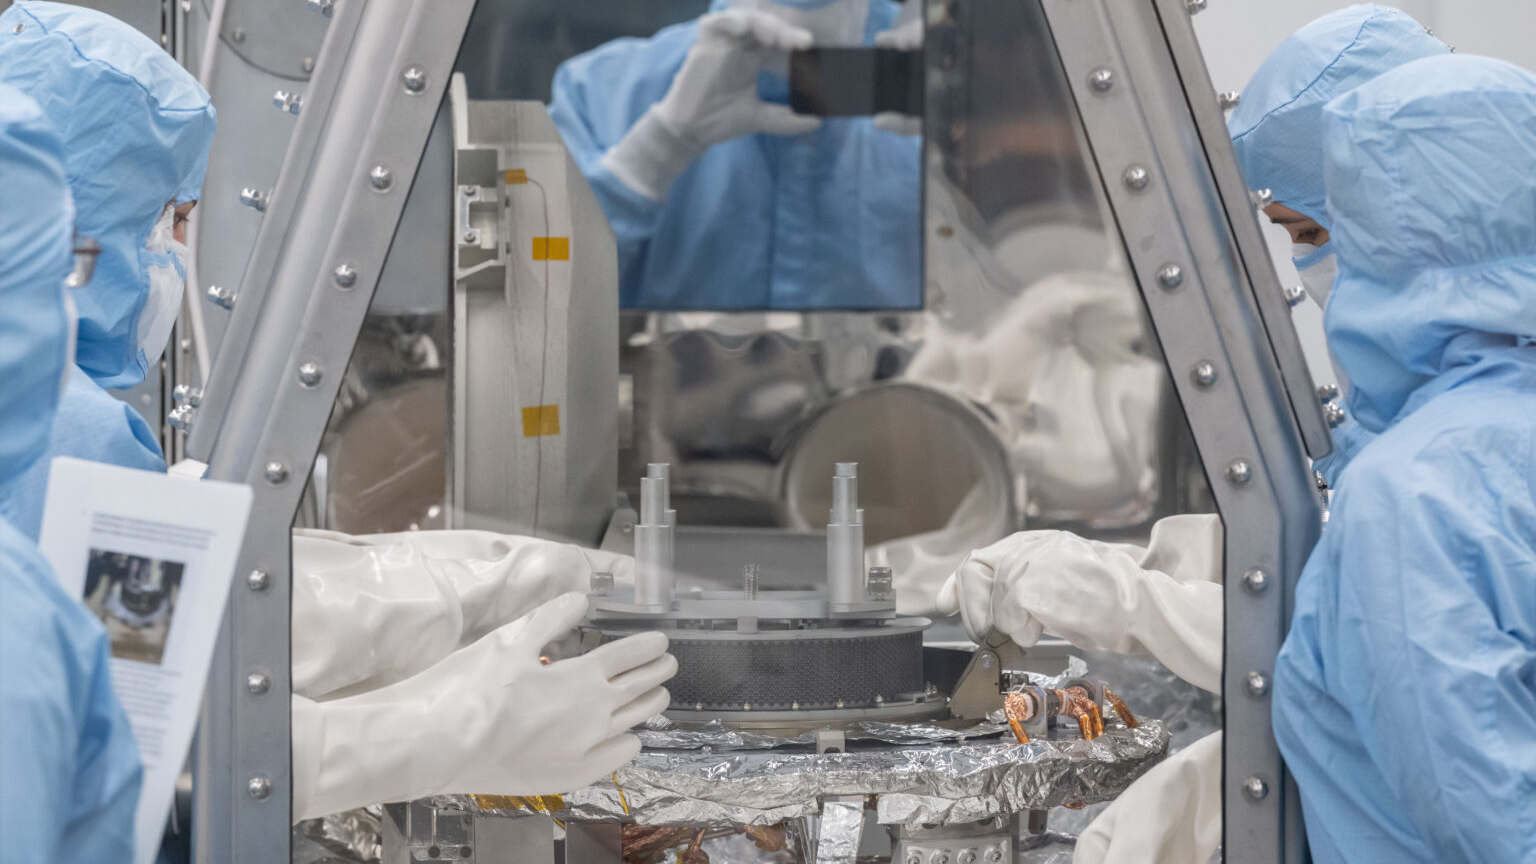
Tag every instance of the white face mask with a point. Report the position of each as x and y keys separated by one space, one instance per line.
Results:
x=838 y=22
x=167 y=260
x=1318 y=268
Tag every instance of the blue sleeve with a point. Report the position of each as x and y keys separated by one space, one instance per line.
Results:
x=71 y=772
x=599 y=96
x=1348 y=440
x=91 y=424
x=1436 y=641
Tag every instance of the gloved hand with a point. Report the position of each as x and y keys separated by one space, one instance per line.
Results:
x=712 y=100
x=1171 y=815
x=373 y=610
x=489 y=718
x=905 y=36
x=1103 y=596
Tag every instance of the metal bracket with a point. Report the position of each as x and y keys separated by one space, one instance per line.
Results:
x=980 y=689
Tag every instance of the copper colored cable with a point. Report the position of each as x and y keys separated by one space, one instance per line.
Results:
x=1018 y=730
x=1126 y=716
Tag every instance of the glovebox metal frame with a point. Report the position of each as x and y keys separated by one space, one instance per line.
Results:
x=1179 y=202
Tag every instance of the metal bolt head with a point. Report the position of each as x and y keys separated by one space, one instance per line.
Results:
x=308 y=65
x=1195 y=7
x=380 y=178
x=939 y=857
x=238 y=35
x=1334 y=415
x=1261 y=198
x=1204 y=374
x=1137 y=178
x=220 y=297
x=257 y=684
x=1170 y=276
x=1294 y=295
x=988 y=660
x=1229 y=99
x=1257 y=684
x=1102 y=79
x=471 y=235
x=180 y=418
x=994 y=854
x=880 y=583
x=914 y=857
x=258 y=581
x=1256 y=581
x=345 y=275
x=1239 y=473
x=602 y=584
x=414 y=79
x=276 y=473
x=1328 y=392
x=287 y=101
x=258 y=787
x=254 y=199
x=1255 y=788
x=186 y=394
x=310 y=374
x=968 y=856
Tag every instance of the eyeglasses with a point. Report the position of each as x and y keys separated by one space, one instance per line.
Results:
x=86 y=250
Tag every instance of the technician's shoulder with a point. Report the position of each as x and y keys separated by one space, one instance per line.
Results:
x=630 y=59
x=95 y=425
x=46 y=635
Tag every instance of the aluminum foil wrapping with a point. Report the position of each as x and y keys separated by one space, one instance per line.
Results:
x=918 y=786
x=662 y=734
x=352 y=837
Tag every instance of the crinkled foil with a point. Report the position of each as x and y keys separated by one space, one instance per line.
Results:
x=842 y=825
x=918 y=786
x=662 y=734
x=352 y=837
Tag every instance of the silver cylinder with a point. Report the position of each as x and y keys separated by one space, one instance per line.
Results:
x=654 y=577
x=845 y=538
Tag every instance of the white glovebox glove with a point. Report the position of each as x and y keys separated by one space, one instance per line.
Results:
x=1160 y=600
x=372 y=610
x=712 y=100
x=490 y=718
x=1171 y=815
x=907 y=35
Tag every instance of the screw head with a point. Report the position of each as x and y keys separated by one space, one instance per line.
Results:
x=238 y=35
x=257 y=684
x=345 y=275
x=1102 y=79
x=1195 y=7
x=258 y=787
x=1294 y=295
x=1255 y=788
x=308 y=65
x=1333 y=415
x=310 y=374
x=276 y=473
x=1204 y=374
x=380 y=178
x=258 y=581
x=988 y=660
x=1229 y=99
x=180 y=418
x=1328 y=392
x=1257 y=684
x=471 y=235
x=1261 y=198
x=414 y=79
x=1256 y=580
x=939 y=857
x=967 y=856
x=914 y=857
x=1137 y=178
x=1239 y=473
x=1170 y=276
x=994 y=854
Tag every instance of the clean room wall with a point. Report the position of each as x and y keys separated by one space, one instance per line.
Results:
x=1236 y=36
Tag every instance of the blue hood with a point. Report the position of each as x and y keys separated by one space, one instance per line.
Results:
x=1277 y=128
x=1431 y=173
x=35 y=240
x=136 y=129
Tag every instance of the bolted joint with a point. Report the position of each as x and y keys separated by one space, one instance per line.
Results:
x=254 y=199
x=1261 y=198
x=1170 y=276
x=1204 y=374
x=414 y=80
x=180 y=418
x=1328 y=393
x=1229 y=99
x=1256 y=580
x=1294 y=295
x=1239 y=472
x=601 y=584
x=1137 y=178
x=1255 y=789
x=259 y=787
x=257 y=684
x=1102 y=79
x=380 y=178
x=310 y=375
x=258 y=581
x=220 y=297
x=324 y=7
x=1257 y=684
x=186 y=394
x=1195 y=7
x=345 y=275
x=1334 y=415
x=286 y=101
x=276 y=473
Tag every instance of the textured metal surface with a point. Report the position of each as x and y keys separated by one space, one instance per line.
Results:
x=835 y=669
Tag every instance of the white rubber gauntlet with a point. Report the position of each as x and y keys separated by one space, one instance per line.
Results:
x=712 y=100
x=372 y=610
x=1160 y=600
x=1171 y=815
x=490 y=718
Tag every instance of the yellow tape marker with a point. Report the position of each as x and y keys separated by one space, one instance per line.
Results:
x=551 y=248
x=515 y=176
x=541 y=420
